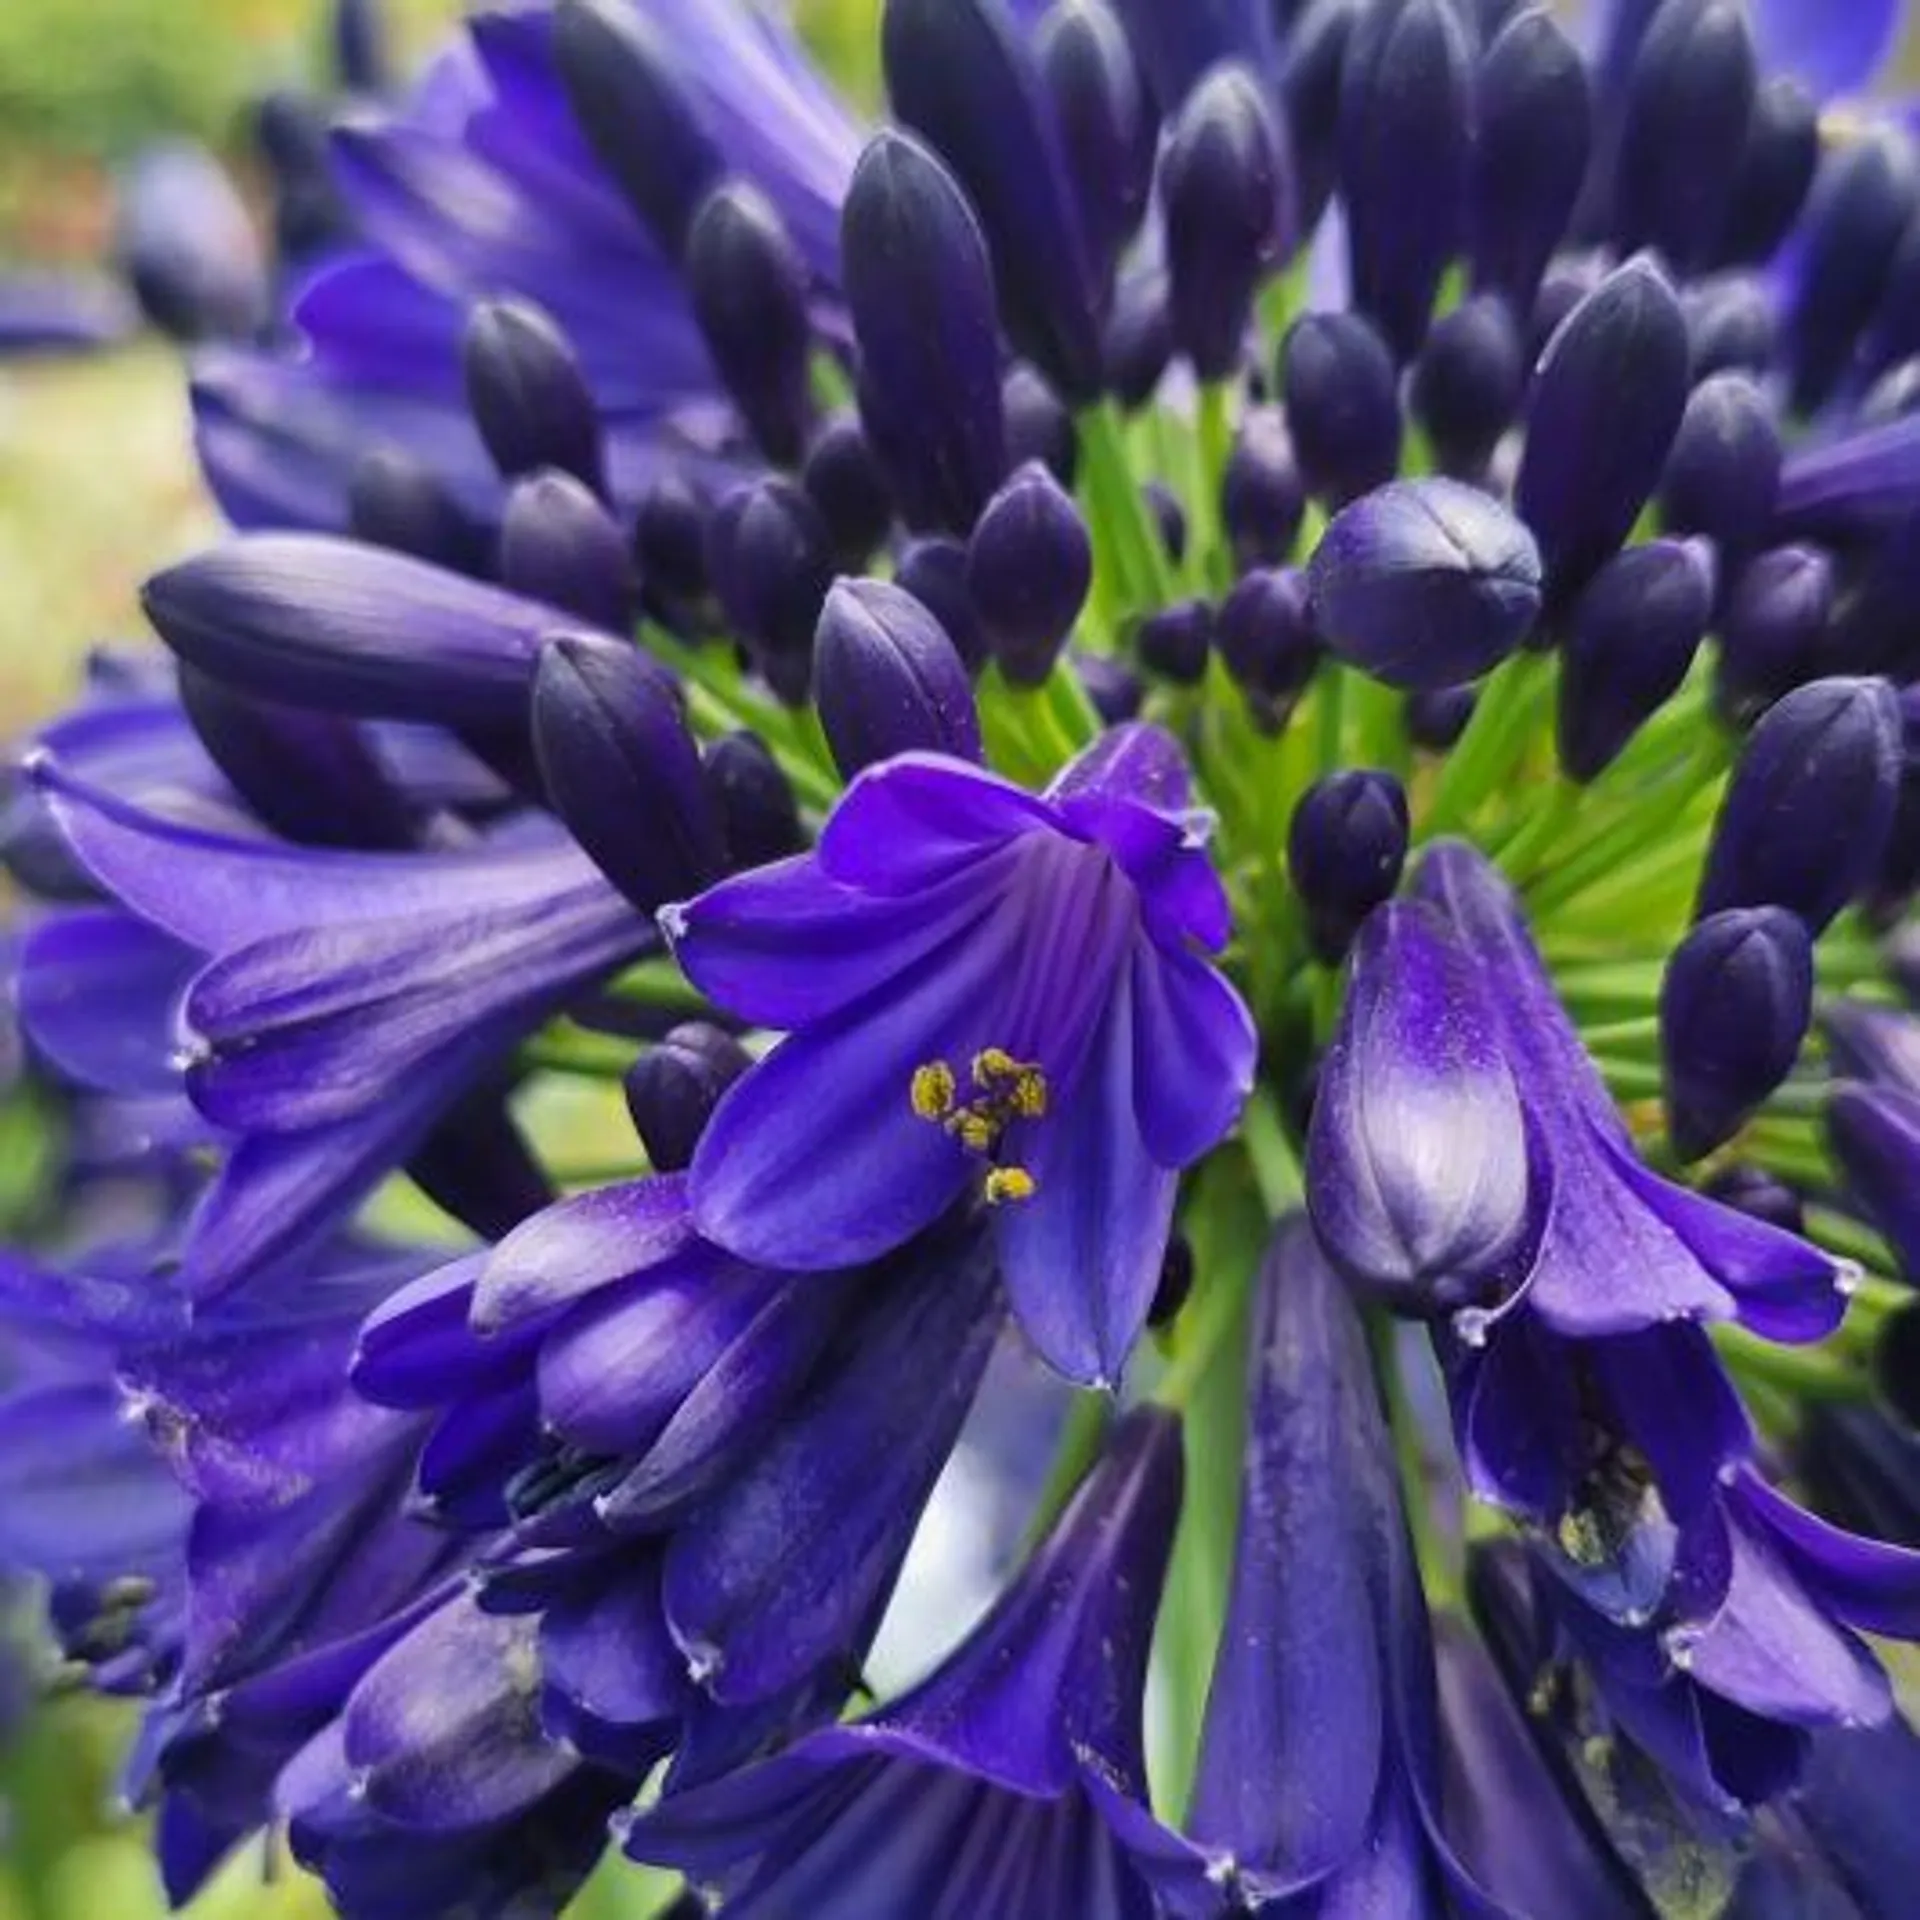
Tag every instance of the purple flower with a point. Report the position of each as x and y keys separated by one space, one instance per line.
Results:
x=985 y=990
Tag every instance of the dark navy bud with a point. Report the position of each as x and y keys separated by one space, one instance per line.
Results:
x=1138 y=346
x=528 y=396
x=1759 y=1195
x=1346 y=846
x=1731 y=325
x=1773 y=629
x=888 y=680
x=673 y=1088
x=748 y=288
x=1264 y=631
x=1262 y=498
x=1735 y=1004
x=622 y=771
x=187 y=246
x=1894 y=336
x=935 y=573
x=362 y=59
x=1221 y=190
x=292 y=134
x=1314 y=53
x=560 y=545
x=759 y=816
x=1467 y=383
x=1406 y=147
x=1898 y=876
x=1873 y=1134
x=1425 y=583
x=1175 y=642
x=1723 y=475
x=962 y=75
x=1688 y=104
x=843 y=479
x=1108 y=124
x=1875 y=630
x=1038 y=426
x=1567 y=283
x=1117 y=692
x=1866 y=193
x=1533 y=142
x=1635 y=630
x=1175 y=1285
x=636 y=115
x=1806 y=817
x=396 y=500
x=1029 y=566
x=771 y=562
x=1778 y=160
x=1169 y=516
x=920 y=290
x=669 y=545
x=1342 y=396
x=1438 y=717
x=1607 y=401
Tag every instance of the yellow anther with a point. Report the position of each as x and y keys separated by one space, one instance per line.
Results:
x=1030 y=1094
x=1581 y=1539
x=933 y=1090
x=1006 y=1184
x=974 y=1130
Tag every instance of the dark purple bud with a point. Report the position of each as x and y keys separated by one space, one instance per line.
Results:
x=1778 y=160
x=1723 y=475
x=1117 y=692
x=1138 y=345
x=670 y=544
x=636 y=115
x=1222 y=188
x=1176 y=1282
x=1262 y=499
x=1894 y=336
x=748 y=287
x=1174 y=643
x=362 y=60
x=1866 y=193
x=935 y=573
x=528 y=396
x=1314 y=54
x=1634 y=632
x=1806 y=817
x=560 y=545
x=1437 y=717
x=1038 y=426
x=291 y=132
x=1467 y=383
x=759 y=816
x=962 y=74
x=1731 y=327
x=1109 y=127
x=1688 y=103
x=1607 y=401
x=1029 y=567
x=771 y=562
x=1875 y=629
x=1178 y=45
x=622 y=771
x=185 y=243
x=1169 y=517
x=844 y=481
x=921 y=293
x=1265 y=634
x=1406 y=146
x=1873 y=1133
x=1342 y=396
x=1735 y=1004
x=1567 y=283
x=396 y=500
x=476 y=1165
x=888 y=680
x=1425 y=583
x=1772 y=631
x=673 y=1088
x=1759 y=1195
x=1346 y=846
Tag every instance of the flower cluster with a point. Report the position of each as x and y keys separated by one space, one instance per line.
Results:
x=1220 y=736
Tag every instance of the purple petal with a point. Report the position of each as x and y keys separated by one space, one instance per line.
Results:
x=1868 y=1583
x=1182 y=898
x=1139 y=763
x=1194 y=1045
x=1829 y=49
x=608 y=1660
x=99 y=995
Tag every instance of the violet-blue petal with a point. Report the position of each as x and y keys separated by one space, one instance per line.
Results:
x=1197 y=1035
x=99 y=994
x=910 y=822
x=1832 y=50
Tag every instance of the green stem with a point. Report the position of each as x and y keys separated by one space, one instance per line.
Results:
x=1496 y=736
x=1807 y=1373
x=1276 y=1166
x=1212 y=564
x=1126 y=543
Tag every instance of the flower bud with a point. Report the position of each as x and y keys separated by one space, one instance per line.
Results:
x=622 y=771
x=1176 y=641
x=1138 y=343
x=187 y=246
x=670 y=545
x=935 y=573
x=1346 y=846
x=759 y=816
x=1735 y=1003
x=1262 y=500
x=1177 y=46
x=1607 y=401
x=748 y=289
x=528 y=396
x=1759 y=1195
x=1723 y=475
x=1873 y=1133
x=921 y=293
x=1406 y=153
x=771 y=562
x=1467 y=383
x=1778 y=159
x=1029 y=567
x=1425 y=583
x=1731 y=326
x=845 y=484
x=673 y=1088
x=1342 y=396
x=635 y=114
x=560 y=545
x=362 y=59
x=1438 y=716
x=1108 y=124
x=887 y=679
x=1169 y=518
x=1117 y=692
x=1806 y=816
x=1315 y=52
x=1635 y=630
x=1266 y=636
x=1533 y=139
x=1221 y=188
x=1774 y=627
x=1038 y=427
x=1689 y=100
x=396 y=500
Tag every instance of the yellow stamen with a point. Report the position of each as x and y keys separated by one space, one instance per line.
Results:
x=1581 y=1539
x=1006 y=1184
x=933 y=1090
